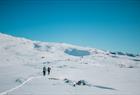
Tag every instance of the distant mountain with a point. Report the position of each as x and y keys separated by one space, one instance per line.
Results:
x=18 y=49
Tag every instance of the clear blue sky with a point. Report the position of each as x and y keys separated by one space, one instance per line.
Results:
x=104 y=24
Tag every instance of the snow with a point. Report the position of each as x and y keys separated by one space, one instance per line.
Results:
x=22 y=60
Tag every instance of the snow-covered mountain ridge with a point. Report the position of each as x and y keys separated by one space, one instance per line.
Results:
x=21 y=62
x=20 y=47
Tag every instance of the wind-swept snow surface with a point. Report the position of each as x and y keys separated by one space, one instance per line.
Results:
x=75 y=70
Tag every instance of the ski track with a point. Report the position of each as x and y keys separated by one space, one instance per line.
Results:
x=12 y=89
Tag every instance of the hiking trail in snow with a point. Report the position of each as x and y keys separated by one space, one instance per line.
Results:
x=17 y=87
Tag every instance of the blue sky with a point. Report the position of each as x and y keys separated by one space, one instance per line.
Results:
x=104 y=24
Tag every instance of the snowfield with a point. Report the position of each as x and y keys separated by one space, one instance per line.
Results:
x=75 y=70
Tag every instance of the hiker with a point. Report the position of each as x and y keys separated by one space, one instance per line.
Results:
x=49 y=70
x=44 y=71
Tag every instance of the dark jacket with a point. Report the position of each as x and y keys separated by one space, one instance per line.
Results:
x=44 y=69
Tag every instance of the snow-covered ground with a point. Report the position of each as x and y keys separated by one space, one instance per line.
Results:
x=103 y=72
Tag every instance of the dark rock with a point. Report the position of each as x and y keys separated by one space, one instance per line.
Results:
x=136 y=59
x=67 y=81
x=114 y=53
x=131 y=67
x=36 y=45
x=81 y=82
x=130 y=55
x=120 y=53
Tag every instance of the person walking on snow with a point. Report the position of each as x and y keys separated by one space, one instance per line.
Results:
x=49 y=70
x=44 y=71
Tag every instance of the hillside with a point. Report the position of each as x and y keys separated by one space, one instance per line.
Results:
x=103 y=72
